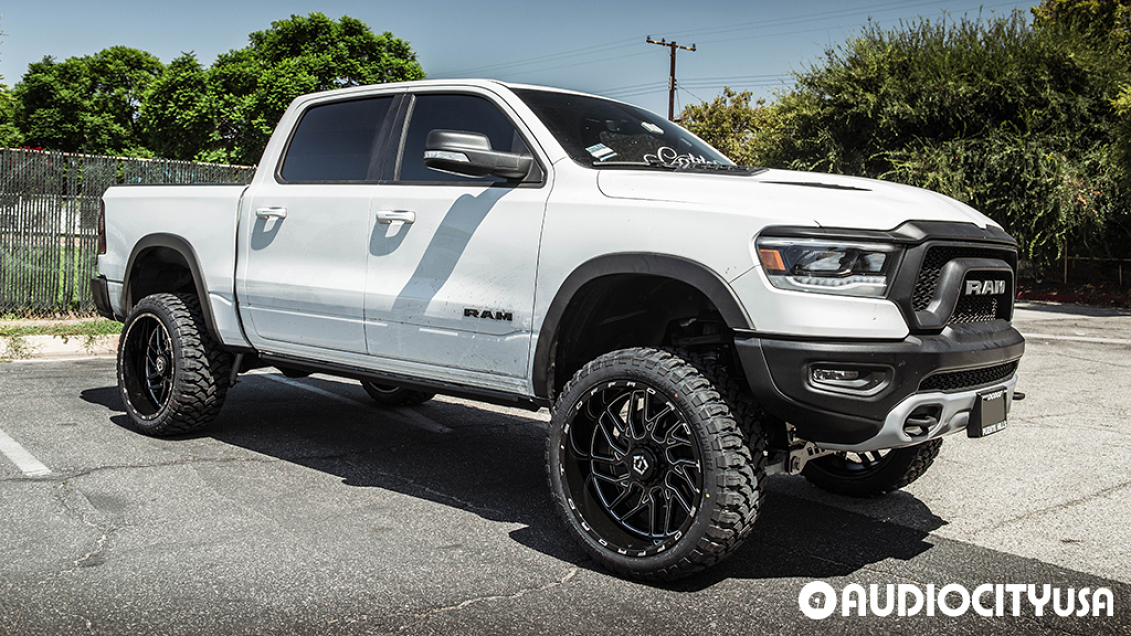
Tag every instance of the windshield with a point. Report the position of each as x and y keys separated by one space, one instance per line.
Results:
x=602 y=133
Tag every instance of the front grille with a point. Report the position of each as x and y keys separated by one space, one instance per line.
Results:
x=962 y=380
x=937 y=257
x=975 y=309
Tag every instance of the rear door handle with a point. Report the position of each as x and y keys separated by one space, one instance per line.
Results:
x=271 y=213
x=391 y=216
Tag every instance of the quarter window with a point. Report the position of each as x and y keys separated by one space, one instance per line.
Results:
x=337 y=141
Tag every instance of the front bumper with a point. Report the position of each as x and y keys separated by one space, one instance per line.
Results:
x=931 y=379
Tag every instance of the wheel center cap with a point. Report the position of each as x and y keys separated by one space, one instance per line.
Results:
x=643 y=464
x=162 y=364
x=640 y=464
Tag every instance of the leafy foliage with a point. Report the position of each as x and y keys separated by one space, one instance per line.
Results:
x=728 y=123
x=9 y=133
x=227 y=113
x=1017 y=121
x=1122 y=107
x=1097 y=20
x=175 y=117
x=123 y=101
x=86 y=104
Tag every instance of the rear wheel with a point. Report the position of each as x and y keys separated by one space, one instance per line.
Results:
x=172 y=376
x=394 y=395
x=872 y=473
x=648 y=468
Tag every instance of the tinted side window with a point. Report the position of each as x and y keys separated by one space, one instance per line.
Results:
x=455 y=112
x=336 y=142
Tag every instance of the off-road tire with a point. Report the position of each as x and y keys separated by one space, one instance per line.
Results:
x=744 y=408
x=652 y=404
x=874 y=473
x=172 y=376
x=394 y=395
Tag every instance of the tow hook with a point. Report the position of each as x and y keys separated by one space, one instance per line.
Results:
x=792 y=461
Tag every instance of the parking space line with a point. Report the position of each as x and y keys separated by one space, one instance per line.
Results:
x=407 y=415
x=23 y=460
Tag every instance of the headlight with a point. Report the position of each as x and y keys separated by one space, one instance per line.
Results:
x=846 y=268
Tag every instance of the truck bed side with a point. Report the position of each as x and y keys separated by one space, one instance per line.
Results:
x=185 y=231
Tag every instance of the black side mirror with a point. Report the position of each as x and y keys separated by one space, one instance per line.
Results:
x=470 y=154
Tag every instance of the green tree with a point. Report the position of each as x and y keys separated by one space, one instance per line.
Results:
x=176 y=115
x=1122 y=107
x=1016 y=121
x=250 y=88
x=10 y=136
x=86 y=103
x=728 y=123
x=1099 y=20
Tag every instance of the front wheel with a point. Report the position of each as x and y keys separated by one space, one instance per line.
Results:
x=872 y=473
x=172 y=376
x=648 y=467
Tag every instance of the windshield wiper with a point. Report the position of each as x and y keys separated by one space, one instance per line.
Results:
x=658 y=164
x=720 y=167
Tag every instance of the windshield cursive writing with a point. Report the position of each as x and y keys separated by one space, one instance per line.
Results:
x=669 y=156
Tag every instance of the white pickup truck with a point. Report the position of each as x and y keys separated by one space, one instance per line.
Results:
x=692 y=325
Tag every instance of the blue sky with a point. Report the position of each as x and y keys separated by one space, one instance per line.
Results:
x=593 y=46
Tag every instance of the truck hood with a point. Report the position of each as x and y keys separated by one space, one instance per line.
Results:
x=794 y=197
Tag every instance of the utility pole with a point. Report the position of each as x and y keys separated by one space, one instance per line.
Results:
x=671 y=78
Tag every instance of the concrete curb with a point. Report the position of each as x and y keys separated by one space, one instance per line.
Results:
x=26 y=348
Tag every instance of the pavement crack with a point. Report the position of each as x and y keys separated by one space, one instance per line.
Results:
x=89 y=624
x=419 y=619
x=1059 y=506
x=100 y=545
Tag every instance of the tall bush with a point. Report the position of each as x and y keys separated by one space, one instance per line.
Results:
x=1016 y=121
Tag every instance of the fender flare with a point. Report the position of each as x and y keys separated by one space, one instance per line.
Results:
x=181 y=246
x=685 y=270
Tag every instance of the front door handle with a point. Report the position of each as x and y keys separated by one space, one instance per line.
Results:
x=271 y=213
x=391 y=216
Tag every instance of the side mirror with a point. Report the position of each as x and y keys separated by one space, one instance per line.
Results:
x=470 y=154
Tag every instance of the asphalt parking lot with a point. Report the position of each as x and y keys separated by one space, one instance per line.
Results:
x=306 y=509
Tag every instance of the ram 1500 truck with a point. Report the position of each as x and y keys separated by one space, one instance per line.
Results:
x=692 y=325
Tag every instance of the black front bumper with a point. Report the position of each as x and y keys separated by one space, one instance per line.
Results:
x=960 y=358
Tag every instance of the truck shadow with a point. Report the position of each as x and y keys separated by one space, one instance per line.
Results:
x=492 y=464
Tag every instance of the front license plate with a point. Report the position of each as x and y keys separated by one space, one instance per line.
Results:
x=988 y=415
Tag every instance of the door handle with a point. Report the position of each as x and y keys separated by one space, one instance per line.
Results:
x=271 y=213
x=391 y=216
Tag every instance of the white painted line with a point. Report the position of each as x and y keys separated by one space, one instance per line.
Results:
x=406 y=415
x=1043 y=336
x=307 y=387
x=23 y=460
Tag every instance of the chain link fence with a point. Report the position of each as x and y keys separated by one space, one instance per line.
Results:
x=49 y=203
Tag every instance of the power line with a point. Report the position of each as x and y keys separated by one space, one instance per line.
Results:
x=818 y=17
x=588 y=50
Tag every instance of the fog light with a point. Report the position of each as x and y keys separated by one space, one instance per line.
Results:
x=835 y=375
x=855 y=380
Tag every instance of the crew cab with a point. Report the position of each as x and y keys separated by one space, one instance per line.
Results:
x=693 y=325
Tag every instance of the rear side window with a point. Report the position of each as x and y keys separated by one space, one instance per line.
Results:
x=455 y=112
x=337 y=141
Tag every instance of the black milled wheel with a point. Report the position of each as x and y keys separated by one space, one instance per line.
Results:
x=872 y=473
x=648 y=468
x=394 y=395
x=172 y=376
